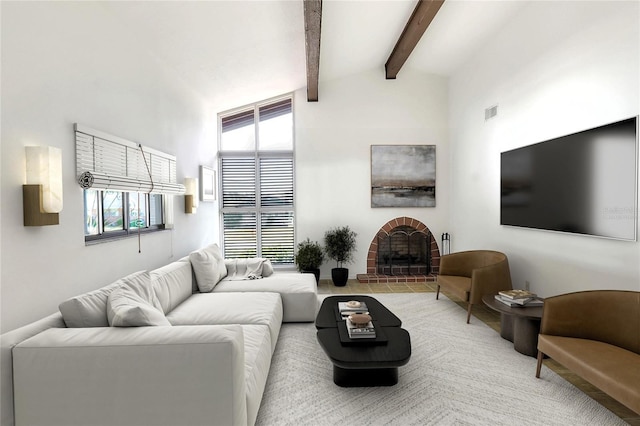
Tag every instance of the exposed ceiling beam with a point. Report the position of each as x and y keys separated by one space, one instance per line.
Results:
x=420 y=19
x=312 y=23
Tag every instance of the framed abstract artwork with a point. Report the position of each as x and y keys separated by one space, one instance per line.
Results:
x=207 y=184
x=403 y=175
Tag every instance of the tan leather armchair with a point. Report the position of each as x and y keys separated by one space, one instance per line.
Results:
x=472 y=274
x=596 y=335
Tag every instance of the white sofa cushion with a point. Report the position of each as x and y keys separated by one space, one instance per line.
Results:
x=133 y=306
x=173 y=284
x=208 y=266
x=90 y=309
x=231 y=308
x=299 y=293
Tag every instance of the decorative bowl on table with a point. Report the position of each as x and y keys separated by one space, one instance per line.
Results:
x=360 y=320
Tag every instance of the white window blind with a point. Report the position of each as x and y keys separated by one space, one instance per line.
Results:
x=240 y=235
x=238 y=182
x=108 y=162
x=277 y=236
x=276 y=182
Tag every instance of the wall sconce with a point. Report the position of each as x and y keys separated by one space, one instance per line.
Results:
x=42 y=195
x=190 y=195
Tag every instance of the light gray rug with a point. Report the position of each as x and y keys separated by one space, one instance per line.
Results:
x=458 y=374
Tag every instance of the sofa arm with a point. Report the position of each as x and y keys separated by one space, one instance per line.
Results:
x=186 y=375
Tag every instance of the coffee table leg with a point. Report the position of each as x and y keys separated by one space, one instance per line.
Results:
x=525 y=336
x=506 y=326
x=357 y=377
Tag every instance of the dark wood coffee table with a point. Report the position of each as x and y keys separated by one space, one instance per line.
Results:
x=519 y=325
x=363 y=362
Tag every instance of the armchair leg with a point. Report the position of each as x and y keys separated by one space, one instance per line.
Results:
x=438 y=292
x=539 y=366
x=468 y=313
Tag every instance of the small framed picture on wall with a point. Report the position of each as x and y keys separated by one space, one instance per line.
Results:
x=207 y=184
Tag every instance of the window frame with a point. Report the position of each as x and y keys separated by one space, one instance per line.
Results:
x=256 y=154
x=127 y=231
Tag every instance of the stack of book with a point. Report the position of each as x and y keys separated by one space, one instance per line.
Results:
x=518 y=298
x=360 y=332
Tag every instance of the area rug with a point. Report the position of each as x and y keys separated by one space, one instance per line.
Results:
x=458 y=374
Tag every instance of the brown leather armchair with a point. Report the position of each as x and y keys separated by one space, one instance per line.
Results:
x=472 y=274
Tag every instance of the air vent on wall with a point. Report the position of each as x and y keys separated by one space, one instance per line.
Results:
x=490 y=112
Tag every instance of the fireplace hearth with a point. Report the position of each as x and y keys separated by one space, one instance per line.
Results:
x=403 y=250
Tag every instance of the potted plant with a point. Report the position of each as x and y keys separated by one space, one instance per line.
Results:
x=309 y=257
x=339 y=246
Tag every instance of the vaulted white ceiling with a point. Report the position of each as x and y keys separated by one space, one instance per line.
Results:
x=237 y=52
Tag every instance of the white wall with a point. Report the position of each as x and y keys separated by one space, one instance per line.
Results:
x=333 y=143
x=557 y=68
x=67 y=62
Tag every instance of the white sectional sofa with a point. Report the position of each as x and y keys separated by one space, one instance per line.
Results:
x=156 y=348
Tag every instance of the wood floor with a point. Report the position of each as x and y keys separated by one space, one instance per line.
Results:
x=492 y=319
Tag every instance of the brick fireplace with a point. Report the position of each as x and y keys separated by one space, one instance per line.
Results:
x=403 y=250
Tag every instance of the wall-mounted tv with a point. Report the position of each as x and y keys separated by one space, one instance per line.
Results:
x=583 y=183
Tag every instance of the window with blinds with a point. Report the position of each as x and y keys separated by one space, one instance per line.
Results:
x=127 y=187
x=256 y=175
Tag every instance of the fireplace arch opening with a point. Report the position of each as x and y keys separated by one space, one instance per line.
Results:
x=403 y=250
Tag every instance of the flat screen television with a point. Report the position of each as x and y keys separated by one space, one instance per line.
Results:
x=583 y=183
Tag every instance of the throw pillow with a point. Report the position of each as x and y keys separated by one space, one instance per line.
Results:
x=222 y=269
x=90 y=309
x=208 y=266
x=133 y=306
